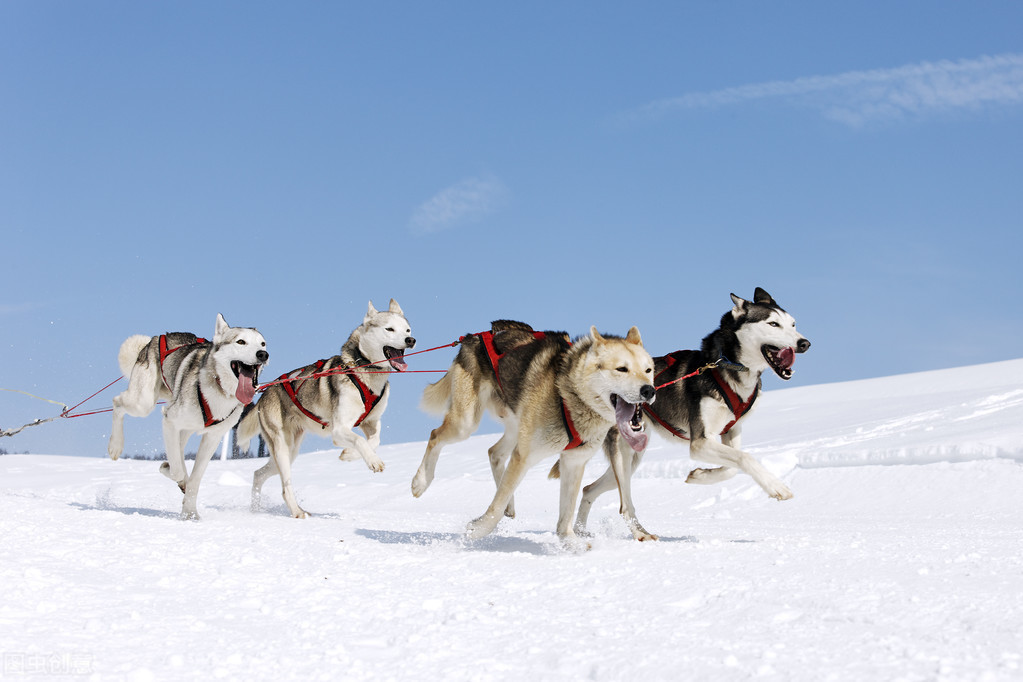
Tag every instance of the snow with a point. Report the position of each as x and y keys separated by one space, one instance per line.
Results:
x=898 y=559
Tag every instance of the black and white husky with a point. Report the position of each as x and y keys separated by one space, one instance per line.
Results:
x=707 y=410
x=206 y=385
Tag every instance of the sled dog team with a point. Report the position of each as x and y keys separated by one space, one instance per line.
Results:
x=553 y=395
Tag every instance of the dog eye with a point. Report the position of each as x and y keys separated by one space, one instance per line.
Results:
x=390 y=329
x=774 y=324
x=240 y=342
x=623 y=369
x=649 y=371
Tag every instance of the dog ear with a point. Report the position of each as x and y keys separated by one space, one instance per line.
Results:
x=762 y=297
x=634 y=337
x=595 y=335
x=221 y=328
x=740 y=306
x=370 y=312
x=395 y=308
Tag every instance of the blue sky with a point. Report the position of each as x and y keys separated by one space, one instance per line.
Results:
x=566 y=164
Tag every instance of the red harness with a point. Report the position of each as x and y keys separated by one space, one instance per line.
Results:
x=488 y=344
x=574 y=440
x=369 y=399
x=164 y=352
x=207 y=413
x=738 y=406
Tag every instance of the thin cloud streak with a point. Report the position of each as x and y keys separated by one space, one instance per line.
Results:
x=859 y=97
x=464 y=202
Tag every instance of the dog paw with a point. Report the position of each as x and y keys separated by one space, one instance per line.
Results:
x=780 y=492
x=301 y=514
x=419 y=484
x=479 y=528
x=700 y=476
x=376 y=465
x=574 y=543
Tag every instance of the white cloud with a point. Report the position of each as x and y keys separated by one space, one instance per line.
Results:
x=859 y=97
x=463 y=202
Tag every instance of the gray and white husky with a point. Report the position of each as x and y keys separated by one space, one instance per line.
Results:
x=206 y=385
x=325 y=399
x=707 y=410
x=553 y=396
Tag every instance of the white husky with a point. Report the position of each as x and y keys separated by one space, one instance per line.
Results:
x=331 y=397
x=205 y=385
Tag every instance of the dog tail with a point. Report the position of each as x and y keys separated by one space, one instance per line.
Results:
x=555 y=471
x=132 y=351
x=437 y=396
x=248 y=427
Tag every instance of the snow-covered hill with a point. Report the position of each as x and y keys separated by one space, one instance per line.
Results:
x=900 y=558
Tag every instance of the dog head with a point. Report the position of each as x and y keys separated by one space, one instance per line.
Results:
x=620 y=372
x=766 y=333
x=385 y=335
x=238 y=353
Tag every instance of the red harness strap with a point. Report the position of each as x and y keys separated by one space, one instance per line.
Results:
x=739 y=408
x=289 y=388
x=574 y=440
x=736 y=404
x=369 y=399
x=164 y=352
x=488 y=343
x=207 y=413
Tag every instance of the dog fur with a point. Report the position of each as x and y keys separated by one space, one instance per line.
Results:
x=379 y=342
x=598 y=380
x=205 y=384
x=758 y=335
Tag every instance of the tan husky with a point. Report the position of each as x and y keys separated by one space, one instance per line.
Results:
x=554 y=397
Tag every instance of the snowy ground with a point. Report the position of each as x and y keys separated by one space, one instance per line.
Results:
x=900 y=558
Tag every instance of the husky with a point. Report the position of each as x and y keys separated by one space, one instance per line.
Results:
x=553 y=396
x=753 y=337
x=331 y=397
x=205 y=385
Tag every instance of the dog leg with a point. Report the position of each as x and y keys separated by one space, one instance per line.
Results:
x=517 y=467
x=174 y=443
x=707 y=450
x=499 y=454
x=138 y=400
x=207 y=446
x=281 y=452
x=260 y=477
x=705 y=476
x=572 y=466
x=347 y=439
x=462 y=419
x=628 y=462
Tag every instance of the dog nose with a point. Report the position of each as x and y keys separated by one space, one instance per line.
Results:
x=262 y=355
x=802 y=346
x=410 y=342
x=647 y=393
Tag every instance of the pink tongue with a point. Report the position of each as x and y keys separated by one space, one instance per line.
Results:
x=786 y=357
x=398 y=363
x=246 y=391
x=637 y=440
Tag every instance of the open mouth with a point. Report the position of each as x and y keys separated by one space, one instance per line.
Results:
x=248 y=377
x=628 y=419
x=780 y=360
x=396 y=358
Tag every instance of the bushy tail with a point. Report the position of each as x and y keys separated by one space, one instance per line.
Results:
x=131 y=352
x=248 y=427
x=555 y=471
x=437 y=396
